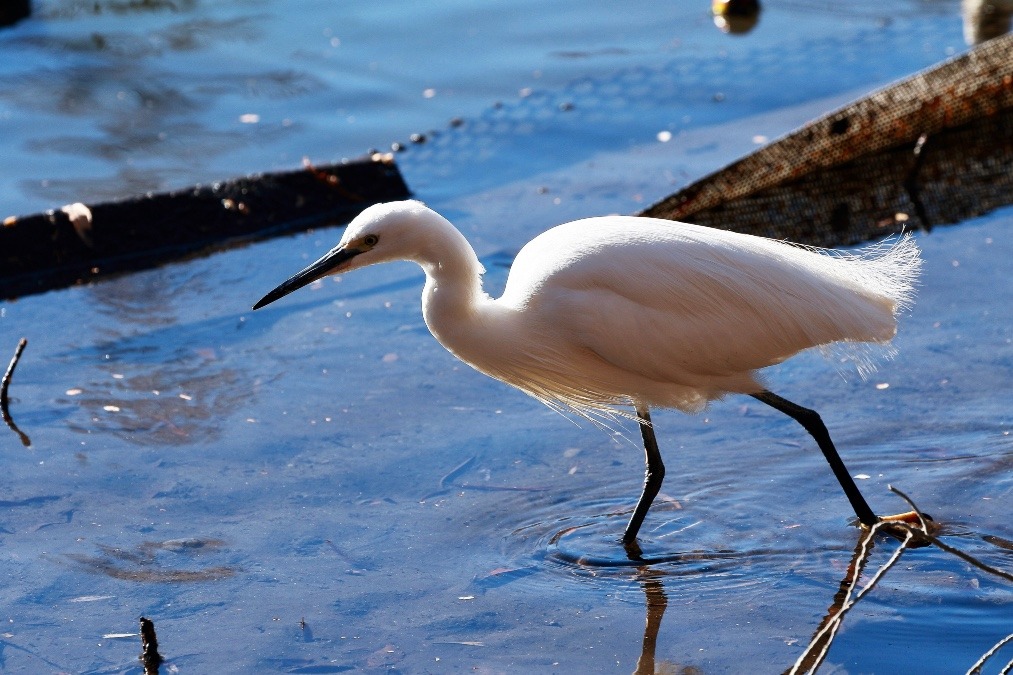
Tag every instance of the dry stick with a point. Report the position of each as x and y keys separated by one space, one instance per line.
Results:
x=149 y=657
x=966 y=557
x=830 y=630
x=910 y=533
x=914 y=507
x=969 y=558
x=5 y=383
x=808 y=661
x=861 y=594
x=854 y=570
x=976 y=668
x=946 y=547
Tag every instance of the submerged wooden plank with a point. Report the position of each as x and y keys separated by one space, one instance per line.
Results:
x=81 y=242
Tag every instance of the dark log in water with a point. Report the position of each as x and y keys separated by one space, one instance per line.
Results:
x=81 y=242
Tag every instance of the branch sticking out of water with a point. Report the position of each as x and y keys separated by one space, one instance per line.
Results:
x=149 y=657
x=914 y=507
x=932 y=539
x=911 y=536
x=976 y=668
x=811 y=659
x=5 y=384
x=6 y=381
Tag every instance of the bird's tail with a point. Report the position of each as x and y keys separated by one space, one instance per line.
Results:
x=887 y=274
x=889 y=269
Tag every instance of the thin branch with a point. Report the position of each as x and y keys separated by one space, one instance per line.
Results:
x=150 y=658
x=924 y=533
x=879 y=573
x=976 y=668
x=863 y=549
x=5 y=384
x=826 y=635
x=919 y=535
x=914 y=507
x=971 y=559
x=829 y=631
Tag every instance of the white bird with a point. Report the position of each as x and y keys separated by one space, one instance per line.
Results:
x=605 y=314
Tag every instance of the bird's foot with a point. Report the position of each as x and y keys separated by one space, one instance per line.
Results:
x=900 y=524
x=909 y=517
x=633 y=551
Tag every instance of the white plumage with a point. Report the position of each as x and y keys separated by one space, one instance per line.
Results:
x=603 y=314
x=617 y=310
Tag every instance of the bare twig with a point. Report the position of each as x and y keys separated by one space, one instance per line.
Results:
x=923 y=532
x=913 y=535
x=6 y=381
x=5 y=384
x=971 y=559
x=875 y=580
x=808 y=661
x=824 y=638
x=149 y=657
x=914 y=507
x=976 y=668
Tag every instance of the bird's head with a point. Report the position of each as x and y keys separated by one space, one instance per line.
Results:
x=381 y=233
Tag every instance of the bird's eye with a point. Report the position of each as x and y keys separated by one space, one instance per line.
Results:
x=370 y=240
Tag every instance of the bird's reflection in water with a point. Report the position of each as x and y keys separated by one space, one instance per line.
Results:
x=820 y=639
x=651 y=580
x=657 y=603
x=591 y=550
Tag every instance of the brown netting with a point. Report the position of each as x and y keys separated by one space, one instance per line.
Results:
x=932 y=149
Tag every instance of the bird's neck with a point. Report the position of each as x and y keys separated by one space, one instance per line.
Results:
x=453 y=292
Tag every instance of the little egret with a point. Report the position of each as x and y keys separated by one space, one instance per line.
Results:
x=613 y=313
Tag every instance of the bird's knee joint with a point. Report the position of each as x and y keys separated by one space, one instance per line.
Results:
x=810 y=419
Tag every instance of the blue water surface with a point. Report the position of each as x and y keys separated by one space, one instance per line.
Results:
x=318 y=487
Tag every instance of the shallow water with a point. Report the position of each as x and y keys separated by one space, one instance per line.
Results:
x=319 y=487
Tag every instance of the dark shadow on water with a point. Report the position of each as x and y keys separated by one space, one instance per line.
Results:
x=144 y=563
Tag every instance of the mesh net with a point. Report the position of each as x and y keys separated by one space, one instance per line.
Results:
x=929 y=150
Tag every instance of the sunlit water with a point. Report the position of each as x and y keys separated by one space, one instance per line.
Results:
x=319 y=487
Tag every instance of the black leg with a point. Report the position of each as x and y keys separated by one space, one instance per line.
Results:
x=653 y=477
x=810 y=419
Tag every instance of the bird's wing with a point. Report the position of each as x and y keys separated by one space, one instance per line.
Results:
x=684 y=304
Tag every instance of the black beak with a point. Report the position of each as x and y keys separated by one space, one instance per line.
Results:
x=321 y=268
